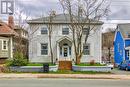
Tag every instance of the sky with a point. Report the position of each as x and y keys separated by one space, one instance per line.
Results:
x=119 y=10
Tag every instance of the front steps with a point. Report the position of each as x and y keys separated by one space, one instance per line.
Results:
x=65 y=65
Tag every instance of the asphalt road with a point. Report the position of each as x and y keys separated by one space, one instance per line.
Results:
x=63 y=83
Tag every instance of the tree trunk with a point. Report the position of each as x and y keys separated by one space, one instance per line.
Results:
x=51 y=49
x=109 y=54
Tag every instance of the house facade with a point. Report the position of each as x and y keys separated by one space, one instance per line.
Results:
x=122 y=43
x=62 y=41
x=6 y=40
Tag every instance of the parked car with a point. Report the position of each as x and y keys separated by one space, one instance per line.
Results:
x=125 y=65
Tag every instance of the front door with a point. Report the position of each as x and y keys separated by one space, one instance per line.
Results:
x=65 y=51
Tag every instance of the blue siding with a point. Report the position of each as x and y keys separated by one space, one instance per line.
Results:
x=118 y=48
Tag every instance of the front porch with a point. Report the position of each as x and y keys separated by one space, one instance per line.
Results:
x=64 y=49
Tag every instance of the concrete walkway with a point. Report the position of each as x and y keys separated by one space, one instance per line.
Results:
x=76 y=76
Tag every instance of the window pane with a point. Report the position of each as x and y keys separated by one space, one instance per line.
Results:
x=86 y=49
x=4 y=44
x=65 y=31
x=44 y=49
x=85 y=31
x=70 y=50
x=44 y=31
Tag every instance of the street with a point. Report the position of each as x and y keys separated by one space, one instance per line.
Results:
x=63 y=83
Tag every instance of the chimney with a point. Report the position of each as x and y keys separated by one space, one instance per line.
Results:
x=11 y=21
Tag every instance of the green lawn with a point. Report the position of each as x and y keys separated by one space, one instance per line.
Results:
x=87 y=64
x=38 y=64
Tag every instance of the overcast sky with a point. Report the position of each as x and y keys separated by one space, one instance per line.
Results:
x=119 y=9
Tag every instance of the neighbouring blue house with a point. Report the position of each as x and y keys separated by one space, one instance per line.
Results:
x=122 y=43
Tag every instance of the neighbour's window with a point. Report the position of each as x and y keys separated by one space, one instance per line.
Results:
x=4 y=45
x=44 y=49
x=127 y=53
x=44 y=31
x=128 y=35
x=65 y=31
x=86 y=49
x=85 y=31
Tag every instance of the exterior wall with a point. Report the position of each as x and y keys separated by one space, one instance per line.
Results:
x=4 y=53
x=119 y=48
x=37 y=38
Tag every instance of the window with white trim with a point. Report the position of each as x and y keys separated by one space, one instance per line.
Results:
x=4 y=45
x=65 y=31
x=44 y=30
x=44 y=49
x=86 y=49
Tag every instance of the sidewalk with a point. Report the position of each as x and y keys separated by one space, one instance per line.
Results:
x=76 y=76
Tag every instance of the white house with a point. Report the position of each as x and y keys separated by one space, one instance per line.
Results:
x=62 y=42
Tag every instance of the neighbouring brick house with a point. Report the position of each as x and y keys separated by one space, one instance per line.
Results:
x=8 y=39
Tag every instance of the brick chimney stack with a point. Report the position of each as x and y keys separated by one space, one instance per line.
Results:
x=11 y=21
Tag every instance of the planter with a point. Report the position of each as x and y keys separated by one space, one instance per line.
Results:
x=31 y=68
x=92 y=68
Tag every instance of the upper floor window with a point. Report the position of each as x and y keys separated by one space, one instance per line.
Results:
x=65 y=31
x=85 y=31
x=44 y=49
x=128 y=35
x=86 y=49
x=4 y=45
x=44 y=31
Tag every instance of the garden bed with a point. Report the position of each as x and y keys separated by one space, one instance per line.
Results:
x=92 y=68
x=31 y=68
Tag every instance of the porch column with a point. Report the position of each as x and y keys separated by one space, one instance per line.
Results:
x=11 y=47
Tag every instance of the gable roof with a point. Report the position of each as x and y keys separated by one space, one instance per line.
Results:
x=124 y=29
x=5 y=30
x=60 y=18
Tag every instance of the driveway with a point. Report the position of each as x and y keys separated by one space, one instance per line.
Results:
x=120 y=72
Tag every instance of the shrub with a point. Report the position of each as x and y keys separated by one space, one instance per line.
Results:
x=92 y=62
x=18 y=60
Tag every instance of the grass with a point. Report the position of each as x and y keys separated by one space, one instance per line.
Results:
x=87 y=64
x=38 y=64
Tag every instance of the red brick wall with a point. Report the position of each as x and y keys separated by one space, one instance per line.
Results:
x=65 y=65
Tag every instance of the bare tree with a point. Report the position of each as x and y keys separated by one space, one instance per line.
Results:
x=82 y=12
x=50 y=29
x=21 y=45
x=107 y=41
